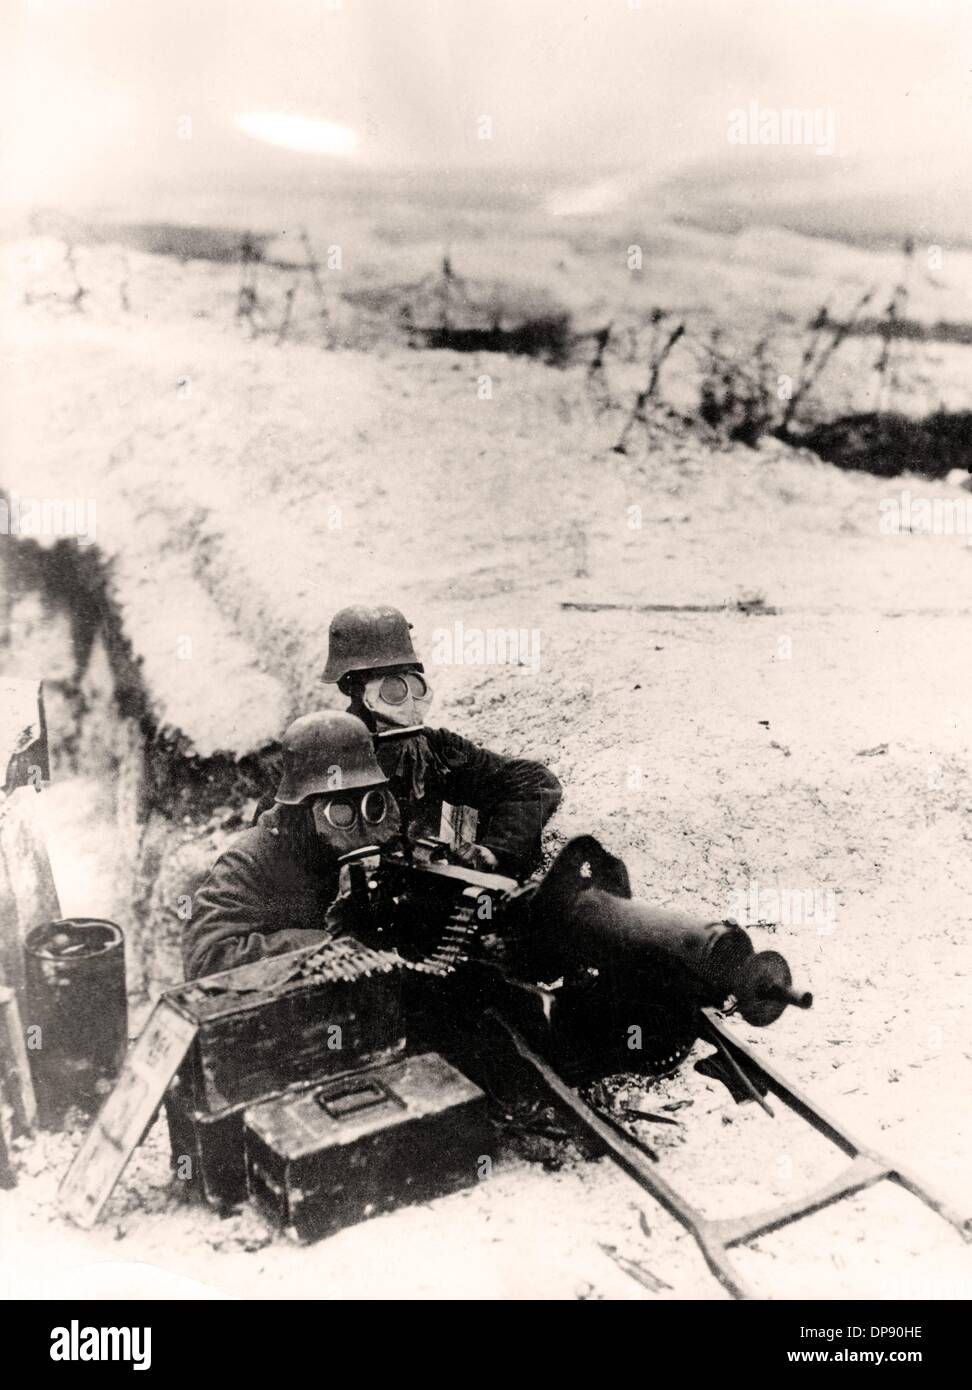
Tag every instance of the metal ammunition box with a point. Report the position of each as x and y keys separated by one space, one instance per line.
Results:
x=364 y=1144
x=288 y=1019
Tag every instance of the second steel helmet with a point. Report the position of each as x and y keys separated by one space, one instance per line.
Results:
x=368 y=639
x=326 y=752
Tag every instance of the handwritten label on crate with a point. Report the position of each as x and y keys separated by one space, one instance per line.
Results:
x=126 y=1114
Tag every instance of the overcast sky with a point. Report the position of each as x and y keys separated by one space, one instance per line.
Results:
x=93 y=90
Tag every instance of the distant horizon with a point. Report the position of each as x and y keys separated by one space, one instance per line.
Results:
x=850 y=201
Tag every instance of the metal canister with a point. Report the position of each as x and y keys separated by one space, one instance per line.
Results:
x=76 y=1021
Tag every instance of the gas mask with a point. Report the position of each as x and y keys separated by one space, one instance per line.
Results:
x=397 y=699
x=351 y=820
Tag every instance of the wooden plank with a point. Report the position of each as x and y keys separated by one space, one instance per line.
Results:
x=127 y=1113
x=24 y=757
x=28 y=896
x=14 y=1067
x=755 y=606
x=8 y=1177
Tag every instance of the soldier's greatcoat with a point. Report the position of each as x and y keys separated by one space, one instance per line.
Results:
x=270 y=891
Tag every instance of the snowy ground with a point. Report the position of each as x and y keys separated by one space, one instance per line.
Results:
x=245 y=491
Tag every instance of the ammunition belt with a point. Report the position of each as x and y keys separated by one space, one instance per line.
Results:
x=452 y=948
x=345 y=958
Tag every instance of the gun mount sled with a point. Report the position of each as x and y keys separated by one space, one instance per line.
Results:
x=555 y=976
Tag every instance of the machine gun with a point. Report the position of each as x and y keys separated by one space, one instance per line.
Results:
x=575 y=979
x=582 y=965
x=594 y=977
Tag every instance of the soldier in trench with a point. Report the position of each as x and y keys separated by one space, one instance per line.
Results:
x=274 y=889
x=373 y=662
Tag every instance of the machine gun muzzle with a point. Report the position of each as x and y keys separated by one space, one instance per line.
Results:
x=716 y=960
x=586 y=916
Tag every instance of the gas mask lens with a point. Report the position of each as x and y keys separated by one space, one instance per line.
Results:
x=374 y=807
x=342 y=812
x=395 y=690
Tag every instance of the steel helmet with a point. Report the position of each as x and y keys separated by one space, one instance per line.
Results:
x=326 y=752
x=368 y=639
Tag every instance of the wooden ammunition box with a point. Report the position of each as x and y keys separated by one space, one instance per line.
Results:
x=288 y=1019
x=366 y=1143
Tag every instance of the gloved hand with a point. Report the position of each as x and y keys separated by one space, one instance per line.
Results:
x=477 y=857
